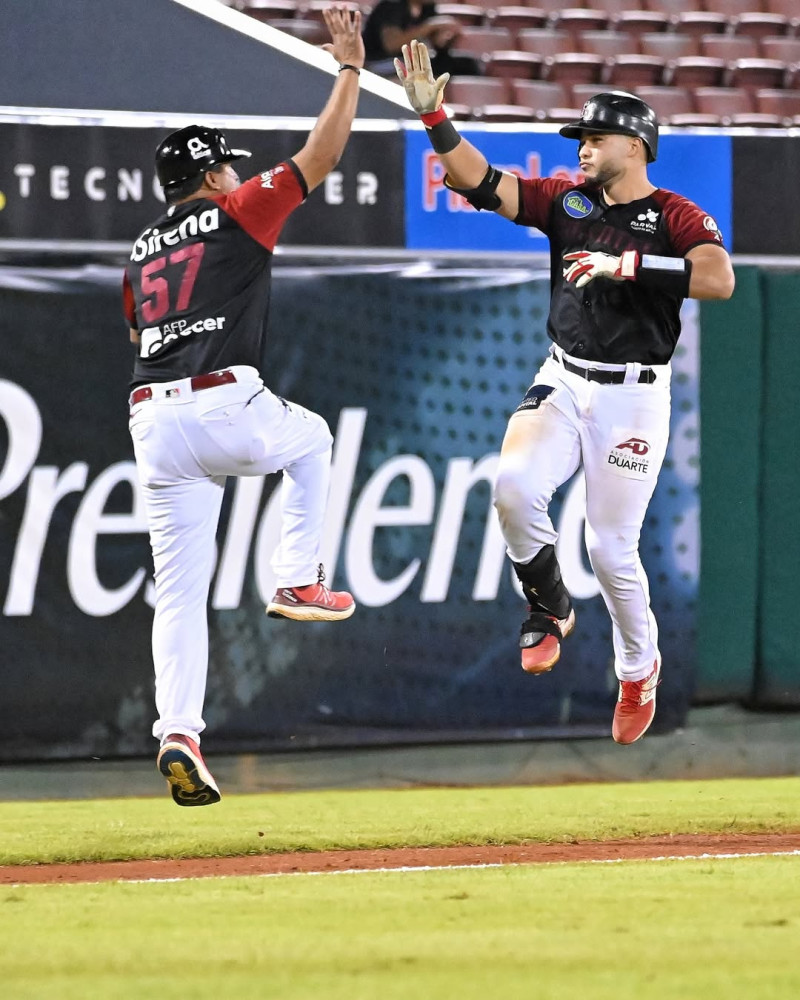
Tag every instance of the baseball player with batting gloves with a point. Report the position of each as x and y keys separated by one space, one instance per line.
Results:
x=196 y=295
x=624 y=255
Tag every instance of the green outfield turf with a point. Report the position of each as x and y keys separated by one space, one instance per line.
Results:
x=689 y=930
x=143 y=828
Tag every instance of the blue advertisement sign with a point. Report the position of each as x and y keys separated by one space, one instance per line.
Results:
x=696 y=166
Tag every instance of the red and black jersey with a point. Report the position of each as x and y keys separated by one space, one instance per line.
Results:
x=613 y=322
x=197 y=285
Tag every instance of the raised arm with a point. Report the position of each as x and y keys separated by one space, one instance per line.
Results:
x=327 y=139
x=467 y=168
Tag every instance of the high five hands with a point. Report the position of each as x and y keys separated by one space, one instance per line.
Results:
x=346 y=45
x=414 y=71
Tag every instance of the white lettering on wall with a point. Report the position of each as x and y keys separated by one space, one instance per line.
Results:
x=333 y=188
x=252 y=534
x=369 y=514
x=59 y=183
x=91 y=522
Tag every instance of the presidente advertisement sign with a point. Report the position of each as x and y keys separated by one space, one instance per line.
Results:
x=696 y=166
x=416 y=375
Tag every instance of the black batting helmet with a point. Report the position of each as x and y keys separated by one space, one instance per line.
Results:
x=617 y=112
x=191 y=151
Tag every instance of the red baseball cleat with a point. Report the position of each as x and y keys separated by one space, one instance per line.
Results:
x=182 y=764
x=540 y=640
x=314 y=603
x=636 y=707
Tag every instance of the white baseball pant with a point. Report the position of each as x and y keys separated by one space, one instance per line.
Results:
x=619 y=433
x=186 y=442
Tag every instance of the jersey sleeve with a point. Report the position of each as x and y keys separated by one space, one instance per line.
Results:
x=128 y=301
x=689 y=226
x=536 y=199
x=262 y=205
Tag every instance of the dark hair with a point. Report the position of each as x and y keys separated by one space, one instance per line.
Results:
x=183 y=189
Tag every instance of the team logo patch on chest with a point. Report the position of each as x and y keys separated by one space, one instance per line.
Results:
x=629 y=456
x=645 y=222
x=577 y=205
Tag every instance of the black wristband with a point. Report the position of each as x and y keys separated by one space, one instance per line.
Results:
x=355 y=69
x=667 y=274
x=443 y=137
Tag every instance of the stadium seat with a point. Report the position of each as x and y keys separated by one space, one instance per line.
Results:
x=696 y=119
x=560 y=115
x=667 y=101
x=544 y=41
x=487 y=6
x=582 y=92
x=758 y=73
x=733 y=8
x=696 y=71
x=540 y=94
x=607 y=43
x=574 y=67
x=519 y=18
x=550 y=7
x=785 y=48
x=669 y=45
x=639 y=22
x=513 y=65
x=311 y=31
x=269 y=10
x=627 y=72
x=673 y=7
x=788 y=8
x=576 y=20
x=694 y=22
x=760 y=26
x=477 y=41
x=464 y=13
x=754 y=119
x=785 y=103
x=504 y=113
x=729 y=47
x=612 y=7
x=460 y=112
x=723 y=101
x=476 y=91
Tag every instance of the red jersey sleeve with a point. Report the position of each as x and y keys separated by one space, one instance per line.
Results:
x=687 y=223
x=262 y=205
x=128 y=301
x=536 y=198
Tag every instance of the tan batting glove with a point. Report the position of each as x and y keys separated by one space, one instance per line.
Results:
x=424 y=93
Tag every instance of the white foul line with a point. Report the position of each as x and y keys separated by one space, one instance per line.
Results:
x=434 y=868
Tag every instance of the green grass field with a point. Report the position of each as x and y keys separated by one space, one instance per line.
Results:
x=694 y=930
x=312 y=821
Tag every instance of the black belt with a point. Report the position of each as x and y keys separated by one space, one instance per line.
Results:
x=208 y=381
x=604 y=377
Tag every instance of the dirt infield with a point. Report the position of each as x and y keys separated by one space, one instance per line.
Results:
x=684 y=845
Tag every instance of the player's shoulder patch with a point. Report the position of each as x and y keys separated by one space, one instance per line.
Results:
x=710 y=223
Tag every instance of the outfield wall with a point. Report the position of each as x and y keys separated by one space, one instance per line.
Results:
x=750 y=417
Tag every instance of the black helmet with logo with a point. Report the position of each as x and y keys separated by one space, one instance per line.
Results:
x=618 y=112
x=191 y=151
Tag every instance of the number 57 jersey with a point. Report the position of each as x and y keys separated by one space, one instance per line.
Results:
x=197 y=284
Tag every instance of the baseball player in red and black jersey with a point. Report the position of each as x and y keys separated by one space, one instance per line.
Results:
x=624 y=255
x=196 y=295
